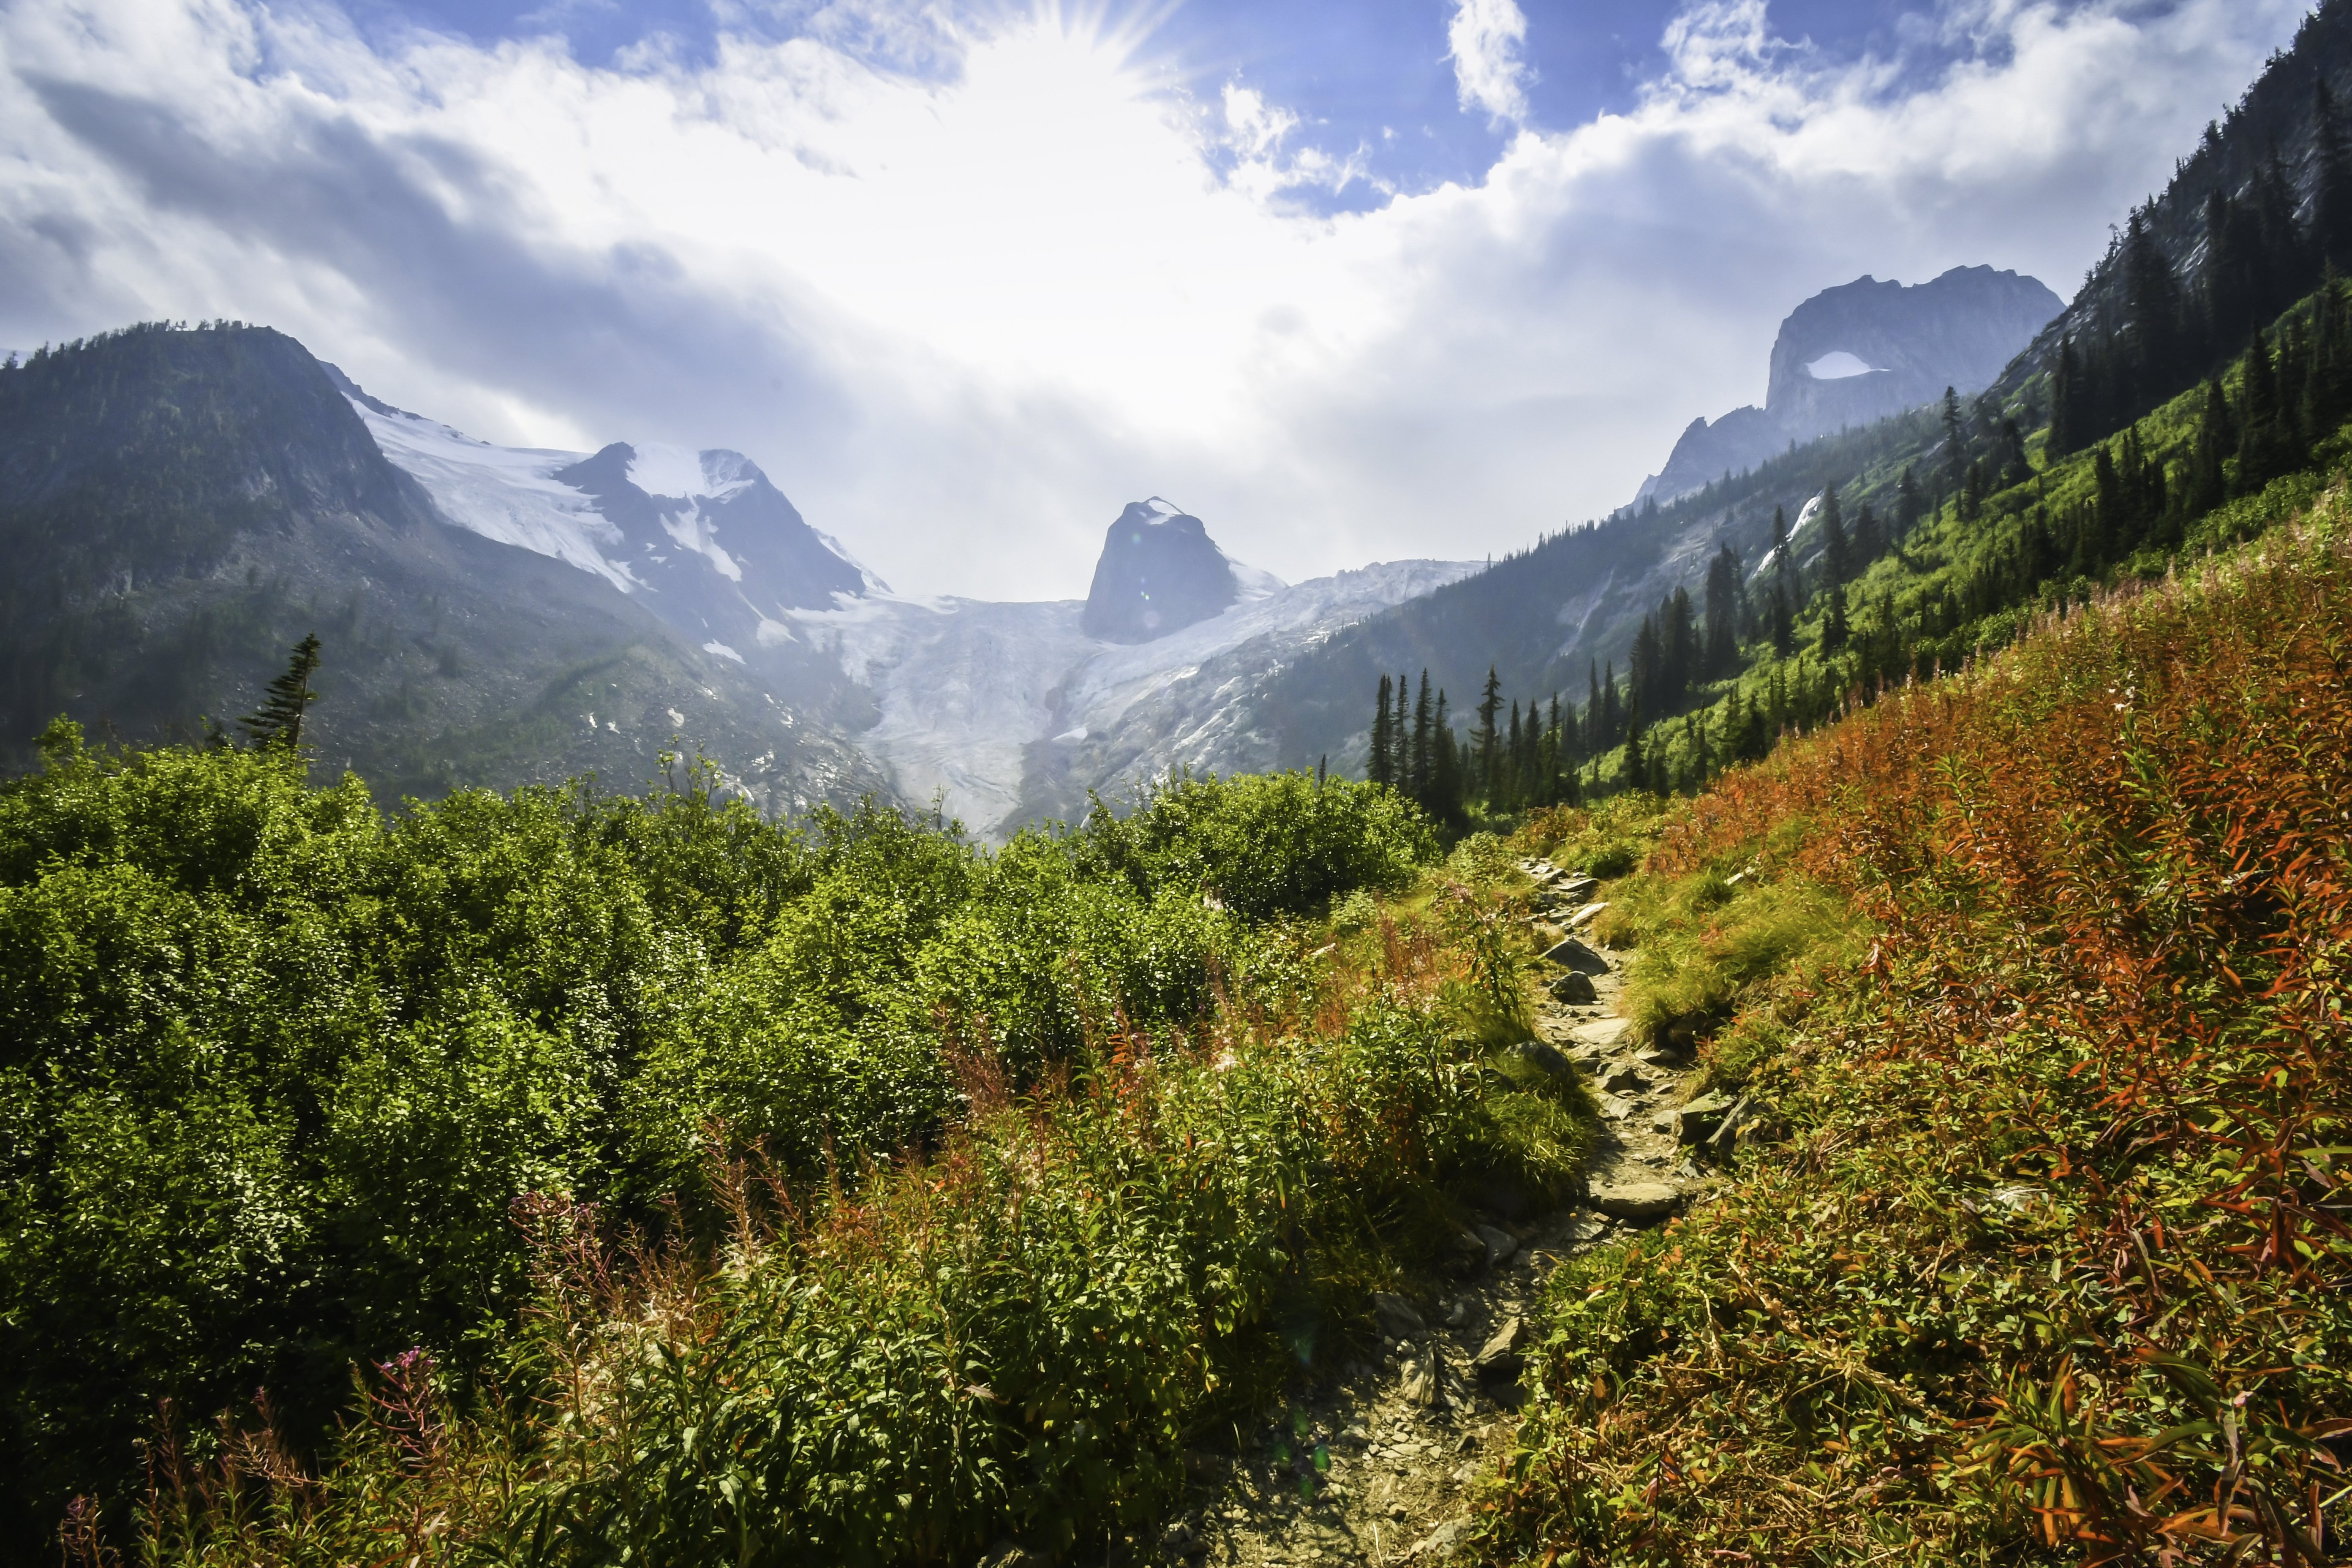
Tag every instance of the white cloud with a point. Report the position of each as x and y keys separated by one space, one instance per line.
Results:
x=1483 y=41
x=964 y=313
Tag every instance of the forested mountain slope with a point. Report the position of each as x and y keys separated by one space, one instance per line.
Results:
x=178 y=507
x=2251 y=224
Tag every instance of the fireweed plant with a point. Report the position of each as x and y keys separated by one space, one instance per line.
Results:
x=2043 y=1251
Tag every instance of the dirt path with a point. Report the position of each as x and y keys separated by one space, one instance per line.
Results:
x=1376 y=1464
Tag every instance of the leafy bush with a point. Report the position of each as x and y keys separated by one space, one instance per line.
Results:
x=1263 y=844
x=274 y=1067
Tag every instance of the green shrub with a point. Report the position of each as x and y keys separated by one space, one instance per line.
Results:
x=1262 y=845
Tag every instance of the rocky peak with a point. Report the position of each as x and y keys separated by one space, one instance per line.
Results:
x=1158 y=573
x=1858 y=352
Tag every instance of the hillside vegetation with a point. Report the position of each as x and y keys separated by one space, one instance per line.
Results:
x=2045 y=1248
x=684 y=1186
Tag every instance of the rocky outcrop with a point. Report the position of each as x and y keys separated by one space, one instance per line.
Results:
x=1160 y=572
x=1856 y=353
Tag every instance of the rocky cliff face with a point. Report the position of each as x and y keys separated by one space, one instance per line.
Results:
x=1859 y=352
x=1158 y=573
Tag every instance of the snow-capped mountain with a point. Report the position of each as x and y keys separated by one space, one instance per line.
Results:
x=1011 y=712
x=702 y=538
x=1005 y=712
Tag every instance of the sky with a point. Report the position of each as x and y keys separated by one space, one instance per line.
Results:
x=1350 y=281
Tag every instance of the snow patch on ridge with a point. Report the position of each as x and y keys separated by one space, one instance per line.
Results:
x=968 y=688
x=503 y=493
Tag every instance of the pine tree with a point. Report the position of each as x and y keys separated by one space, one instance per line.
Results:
x=1376 y=766
x=1636 y=770
x=1401 y=739
x=2152 y=316
x=1910 y=506
x=1424 y=718
x=2217 y=437
x=1722 y=641
x=1596 y=724
x=1679 y=648
x=1869 y=543
x=1445 y=799
x=1782 y=567
x=2331 y=201
x=1784 y=627
x=1490 y=708
x=277 y=724
x=2068 y=425
x=1834 y=625
x=2262 y=444
x=1612 y=713
x=1956 y=442
x=1837 y=561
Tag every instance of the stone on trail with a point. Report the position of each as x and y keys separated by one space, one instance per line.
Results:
x=1440 y=1542
x=1422 y=1385
x=1602 y=1032
x=1624 y=1079
x=1574 y=989
x=1500 y=1245
x=1573 y=954
x=1398 y=1320
x=1546 y=1059
x=1639 y=1202
x=1696 y=1121
x=1499 y=1360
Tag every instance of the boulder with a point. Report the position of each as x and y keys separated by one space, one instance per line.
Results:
x=1500 y=1244
x=1499 y=1360
x=1573 y=953
x=1574 y=989
x=1635 y=1201
x=1545 y=1058
x=1584 y=915
x=1602 y=1032
x=1440 y=1543
x=1422 y=1385
x=1624 y=1079
x=1697 y=1121
x=1397 y=1319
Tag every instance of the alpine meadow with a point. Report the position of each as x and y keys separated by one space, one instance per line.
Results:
x=1802 y=1021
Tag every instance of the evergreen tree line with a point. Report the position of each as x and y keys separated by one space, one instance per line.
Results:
x=2261 y=250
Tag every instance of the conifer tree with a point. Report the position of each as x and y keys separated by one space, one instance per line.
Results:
x=277 y=724
x=1833 y=624
x=1869 y=543
x=2069 y=423
x=1401 y=738
x=1910 y=506
x=1443 y=800
x=1596 y=728
x=1784 y=629
x=1636 y=770
x=1956 y=442
x=2331 y=197
x=1837 y=562
x=2217 y=438
x=2262 y=444
x=1722 y=640
x=1376 y=766
x=1612 y=714
x=1424 y=717
x=1490 y=708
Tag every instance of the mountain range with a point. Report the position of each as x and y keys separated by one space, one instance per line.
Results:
x=179 y=506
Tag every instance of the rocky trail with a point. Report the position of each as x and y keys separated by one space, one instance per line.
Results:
x=1378 y=1462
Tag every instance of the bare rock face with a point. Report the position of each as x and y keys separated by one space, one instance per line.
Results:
x=1858 y=352
x=1160 y=572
